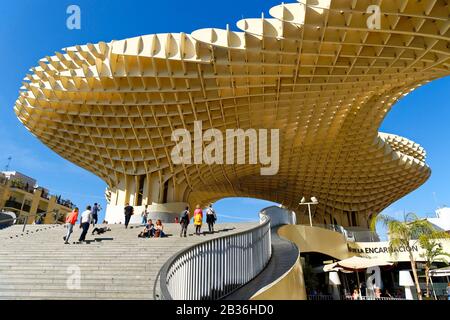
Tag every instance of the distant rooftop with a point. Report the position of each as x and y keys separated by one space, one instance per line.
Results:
x=29 y=184
x=15 y=175
x=442 y=220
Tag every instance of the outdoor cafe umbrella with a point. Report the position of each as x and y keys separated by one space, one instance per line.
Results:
x=355 y=264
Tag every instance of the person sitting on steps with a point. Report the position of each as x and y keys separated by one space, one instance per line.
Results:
x=159 y=229
x=101 y=230
x=149 y=230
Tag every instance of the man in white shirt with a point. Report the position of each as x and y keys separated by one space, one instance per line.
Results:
x=211 y=218
x=86 y=218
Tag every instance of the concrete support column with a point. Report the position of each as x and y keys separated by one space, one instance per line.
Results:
x=146 y=192
x=131 y=190
x=154 y=196
x=34 y=205
x=121 y=193
x=50 y=218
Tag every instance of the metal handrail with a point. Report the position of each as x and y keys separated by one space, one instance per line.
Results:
x=352 y=235
x=370 y=298
x=156 y=296
x=320 y=297
x=216 y=268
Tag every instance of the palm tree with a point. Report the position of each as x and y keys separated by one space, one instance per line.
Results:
x=433 y=252
x=406 y=234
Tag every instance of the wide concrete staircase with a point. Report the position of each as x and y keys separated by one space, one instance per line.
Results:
x=36 y=264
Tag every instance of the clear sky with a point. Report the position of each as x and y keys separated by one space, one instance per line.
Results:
x=32 y=29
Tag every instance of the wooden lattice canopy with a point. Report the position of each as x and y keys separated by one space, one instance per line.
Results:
x=315 y=71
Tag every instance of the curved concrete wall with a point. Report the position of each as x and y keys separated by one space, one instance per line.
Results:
x=290 y=286
x=167 y=212
x=314 y=239
x=278 y=216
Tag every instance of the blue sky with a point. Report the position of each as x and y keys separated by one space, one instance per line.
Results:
x=32 y=29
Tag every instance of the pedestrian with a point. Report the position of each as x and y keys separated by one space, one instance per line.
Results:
x=144 y=215
x=355 y=295
x=129 y=211
x=159 y=229
x=198 y=219
x=100 y=230
x=184 y=221
x=71 y=220
x=377 y=293
x=149 y=230
x=86 y=218
x=363 y=289
x=448 y=291
x=210 y=218
x=95 y=210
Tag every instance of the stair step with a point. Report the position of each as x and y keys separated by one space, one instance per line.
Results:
x=116 y=265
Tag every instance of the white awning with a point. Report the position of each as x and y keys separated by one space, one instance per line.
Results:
x=442 y=272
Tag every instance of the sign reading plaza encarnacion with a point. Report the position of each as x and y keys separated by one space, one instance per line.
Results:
x=383 y=251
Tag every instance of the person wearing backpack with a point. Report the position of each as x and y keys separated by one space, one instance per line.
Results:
x=211 y=218
x=184 y=222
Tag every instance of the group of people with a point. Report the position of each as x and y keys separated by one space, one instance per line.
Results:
x=88 y=217
x=211 y=219
x=152 y=231
x=377 y=293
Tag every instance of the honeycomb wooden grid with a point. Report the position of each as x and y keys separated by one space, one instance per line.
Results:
x=315 y=71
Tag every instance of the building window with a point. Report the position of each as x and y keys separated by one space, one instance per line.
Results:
x=26 y=206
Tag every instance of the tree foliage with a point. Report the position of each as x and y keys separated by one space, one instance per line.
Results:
x=407 y=233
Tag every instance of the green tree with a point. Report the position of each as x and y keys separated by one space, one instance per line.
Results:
x=406 y=233
x=433 y=252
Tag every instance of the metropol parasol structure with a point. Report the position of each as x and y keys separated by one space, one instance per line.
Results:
x=323 y=72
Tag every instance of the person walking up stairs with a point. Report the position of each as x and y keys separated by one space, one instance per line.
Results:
x=71 y=220
x=86 y=218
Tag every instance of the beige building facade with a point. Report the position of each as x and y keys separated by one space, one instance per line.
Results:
x=27 y=202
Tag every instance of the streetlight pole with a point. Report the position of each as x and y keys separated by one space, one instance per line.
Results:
x=313 y=201
x=310 y=218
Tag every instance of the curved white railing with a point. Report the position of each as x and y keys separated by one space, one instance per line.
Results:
x=216 y=268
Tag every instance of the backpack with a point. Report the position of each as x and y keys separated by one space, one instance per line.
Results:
x=184 y=217
x=211 y=212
